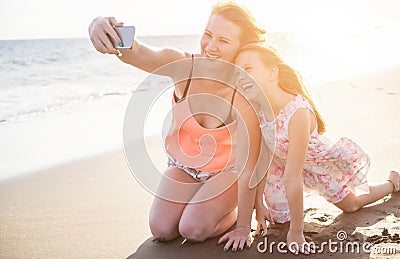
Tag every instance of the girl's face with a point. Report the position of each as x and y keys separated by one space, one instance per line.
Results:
x=221 y=39
x=260 y=75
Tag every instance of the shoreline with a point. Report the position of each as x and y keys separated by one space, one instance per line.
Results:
x=61 y=136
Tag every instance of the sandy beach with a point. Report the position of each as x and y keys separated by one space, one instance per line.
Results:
x=93 y=207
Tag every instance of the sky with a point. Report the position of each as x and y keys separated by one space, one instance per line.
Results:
x=36 y=19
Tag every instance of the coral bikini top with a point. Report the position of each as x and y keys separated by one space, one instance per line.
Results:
x=197 y=147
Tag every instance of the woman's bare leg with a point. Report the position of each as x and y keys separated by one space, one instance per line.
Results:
x=210 y=218
x=164 y=214
x=377 y=191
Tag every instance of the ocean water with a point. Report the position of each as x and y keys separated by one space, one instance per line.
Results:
x=38 y=76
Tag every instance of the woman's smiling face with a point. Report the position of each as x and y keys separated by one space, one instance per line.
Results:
x=221 y=39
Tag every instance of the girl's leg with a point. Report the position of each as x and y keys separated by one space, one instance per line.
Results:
x=377 y=191
x=394 y=178
x=212 y=217
x=164 y=214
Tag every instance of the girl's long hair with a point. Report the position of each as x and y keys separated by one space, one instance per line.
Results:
x=289 y=80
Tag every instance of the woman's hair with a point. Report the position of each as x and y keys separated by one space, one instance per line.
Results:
x=240 y=16
x=289 y=80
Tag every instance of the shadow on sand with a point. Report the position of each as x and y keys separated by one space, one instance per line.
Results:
x=321 y=227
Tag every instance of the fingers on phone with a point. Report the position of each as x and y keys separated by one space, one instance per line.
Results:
x=114 y=22
x=98 y=45
x=106 y=45
x=108 y=30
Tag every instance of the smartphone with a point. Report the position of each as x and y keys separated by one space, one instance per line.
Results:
x=126 y=34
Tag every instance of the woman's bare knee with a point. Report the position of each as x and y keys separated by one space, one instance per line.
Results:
x=164 y=219
x=194 y=231
x=163 y=232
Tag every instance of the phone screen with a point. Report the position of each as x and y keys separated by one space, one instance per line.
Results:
x=127 y=35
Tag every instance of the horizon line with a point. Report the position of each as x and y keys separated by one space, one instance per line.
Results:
x=87 y=37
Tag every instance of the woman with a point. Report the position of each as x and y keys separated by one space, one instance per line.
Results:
x=199 y=217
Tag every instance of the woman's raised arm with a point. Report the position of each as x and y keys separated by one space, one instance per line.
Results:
x=144 y=57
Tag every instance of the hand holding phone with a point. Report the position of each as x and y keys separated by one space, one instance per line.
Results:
x=126 y=34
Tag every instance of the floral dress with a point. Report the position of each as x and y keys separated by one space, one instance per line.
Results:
x=332 y=170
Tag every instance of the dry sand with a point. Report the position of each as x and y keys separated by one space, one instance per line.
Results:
x=94 y=208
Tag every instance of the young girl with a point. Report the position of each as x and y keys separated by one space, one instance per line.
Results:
x=292 y=130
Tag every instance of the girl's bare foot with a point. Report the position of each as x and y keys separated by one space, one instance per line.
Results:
x=394 y=178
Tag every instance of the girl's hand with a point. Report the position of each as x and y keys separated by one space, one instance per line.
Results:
x=262 y=215
x=297 y=243
x=237 y=238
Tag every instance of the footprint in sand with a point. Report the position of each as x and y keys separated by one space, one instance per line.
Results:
x=324 y=218
x=321 y=217
x=310 y=232
x=381 y=89
x=384 y=237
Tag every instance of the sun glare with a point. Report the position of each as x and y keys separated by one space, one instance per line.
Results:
x=334 y=38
